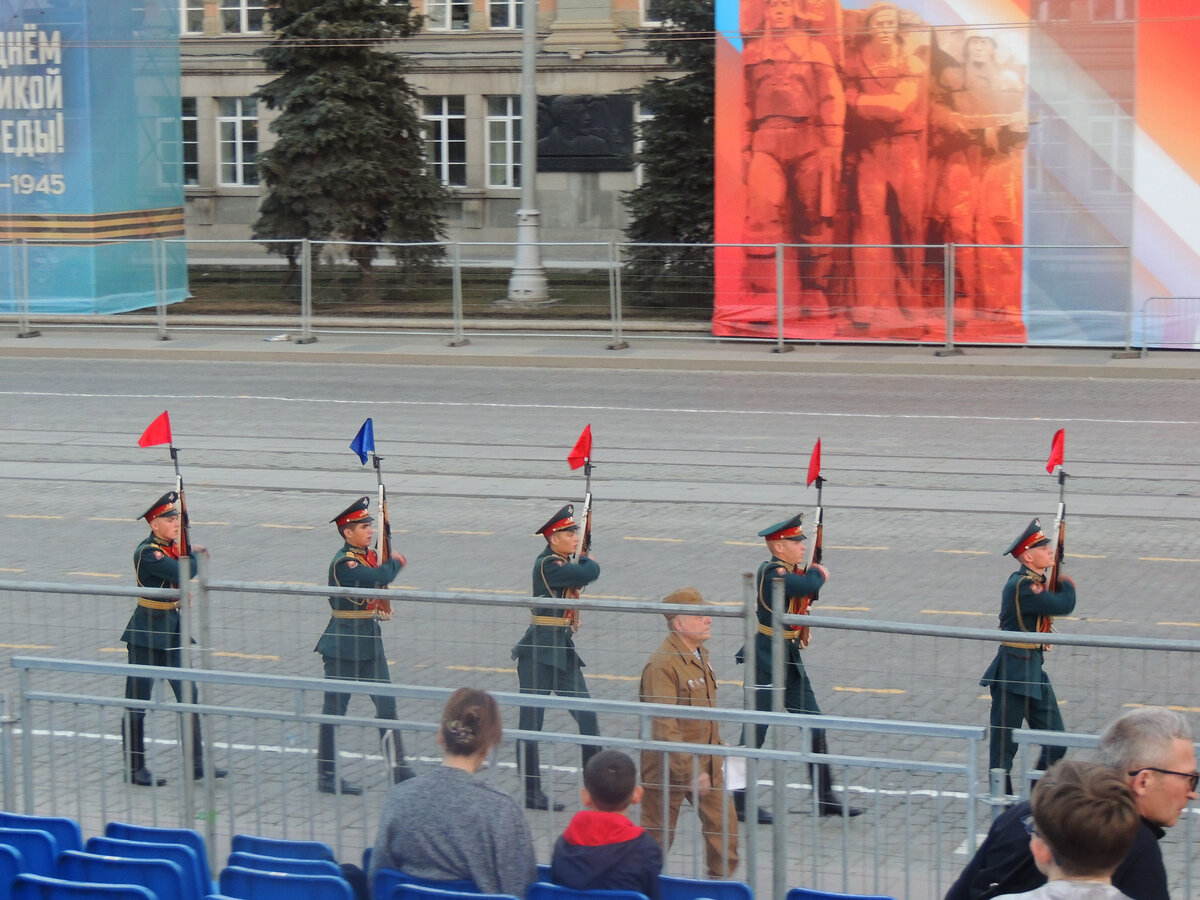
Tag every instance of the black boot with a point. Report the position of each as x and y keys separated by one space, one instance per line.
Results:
x=133 y=740
x=828 y=803
x=393 y=752
x=531 y=774
x=327 y=780
x=739 y=806
x=198 y=753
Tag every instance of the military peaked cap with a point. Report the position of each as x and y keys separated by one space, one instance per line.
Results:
x=354 y=514
x=563 y=520
x=1031 y=537
x=789 y=530
x=164 y=506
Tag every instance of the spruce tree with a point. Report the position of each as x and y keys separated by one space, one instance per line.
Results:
x=348 y=163
x=674 y=204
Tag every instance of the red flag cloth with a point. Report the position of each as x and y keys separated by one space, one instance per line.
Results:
x=1056 y=450
x=582 y=451
x=158 y=432
x=814 y=464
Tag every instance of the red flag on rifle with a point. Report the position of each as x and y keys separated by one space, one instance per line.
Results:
x=814 y=465
x=158 y=432
x=1056 y=450
x=582 y=451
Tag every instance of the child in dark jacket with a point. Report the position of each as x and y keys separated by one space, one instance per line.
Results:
x=601 y=849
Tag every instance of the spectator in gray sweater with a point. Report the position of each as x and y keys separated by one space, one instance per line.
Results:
x=448 y=824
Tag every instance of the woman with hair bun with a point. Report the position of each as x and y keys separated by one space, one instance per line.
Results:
x=448 y=824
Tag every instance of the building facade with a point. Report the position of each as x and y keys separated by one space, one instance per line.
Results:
x=466 y=65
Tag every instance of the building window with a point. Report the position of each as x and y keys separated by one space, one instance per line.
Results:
x=444 y=125
x=1110 y=138
x=505 y=13
x=651 y=13
x=241 y=16
x=237 y=136
x=191 y=143
x=447 y=15
x=641 y=115
x=191 y=16
x=503 y=142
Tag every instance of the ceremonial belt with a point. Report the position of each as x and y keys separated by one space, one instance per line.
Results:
x=1021 y=646
x=158 y=604
x=549 y=620
x=353 y=613
x=790 y=633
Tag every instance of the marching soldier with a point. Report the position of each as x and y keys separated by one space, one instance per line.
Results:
x=1021 y=690
x=351 y=646
x=546 y=658
x=152 y=635
x=785 y=541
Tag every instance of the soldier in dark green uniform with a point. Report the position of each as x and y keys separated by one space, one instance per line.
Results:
x=546 y=658
x=785 y=541
x=152 y=635
x=352 y=647
x=1021 y=691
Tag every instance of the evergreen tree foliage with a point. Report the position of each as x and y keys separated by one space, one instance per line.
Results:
x=674 y=204
x=349 y=160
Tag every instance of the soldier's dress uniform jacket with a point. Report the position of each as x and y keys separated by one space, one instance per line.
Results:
x=545 y=655
x=352 y=639
x=152 y=634
x=800 y=588
x=677 y=675
x=1020 y=688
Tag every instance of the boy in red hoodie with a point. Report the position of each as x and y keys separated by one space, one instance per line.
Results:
x=601 y=849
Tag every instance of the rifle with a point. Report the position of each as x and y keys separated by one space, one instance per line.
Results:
x=381 y=606
x=584 y=545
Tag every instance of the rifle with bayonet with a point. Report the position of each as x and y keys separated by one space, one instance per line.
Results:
x=364 y=443
x=814 y=551
x=581 y=454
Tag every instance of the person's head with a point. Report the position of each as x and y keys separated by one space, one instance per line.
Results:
x=610 y=782
x=163 y=517
x=781 y=15
x=1032 y=548
x=354 y=523
x=882 y=21
x=1151 y=747
x=470 y=723
x=1085 y=820
x=561 y=531
x=786 y=539
x=693 y=628
x=979 y=49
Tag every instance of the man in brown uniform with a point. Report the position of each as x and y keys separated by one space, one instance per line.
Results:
x=679 y=673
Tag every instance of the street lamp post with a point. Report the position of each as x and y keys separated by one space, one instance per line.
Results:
x=528 y=281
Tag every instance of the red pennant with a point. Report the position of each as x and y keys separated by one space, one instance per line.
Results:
x=158 y=432
x=582 y=451
x=1056 y=450
x=814 y=464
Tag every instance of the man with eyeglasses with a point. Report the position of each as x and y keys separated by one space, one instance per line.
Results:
x=1152 y=749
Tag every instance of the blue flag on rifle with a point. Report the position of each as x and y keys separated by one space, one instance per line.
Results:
x=364 y=441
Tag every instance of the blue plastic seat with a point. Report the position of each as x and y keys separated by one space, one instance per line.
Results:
x=282 y=848
x=544 y=891
x=289 y=864
x=147 y=833
x=422 y=892
x=162 y=877
x=183 y=856
x=38 y=849
x=674 y=888
x=810 y=894
x=248 y=884
x=387 y=880
x=11 y=865
x=66 y=832
x=543 y=873
x=39 y=887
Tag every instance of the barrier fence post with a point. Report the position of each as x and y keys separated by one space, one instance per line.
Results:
x=778 y=776
x=780 y=346
x=204 y=622
x=750 y=699
x=614 y=297
x=158 y=260
x=21 y=252
x=456 y=296
x=187 y=597
x=306 y=335
x=6 y=723
x=948 y=275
